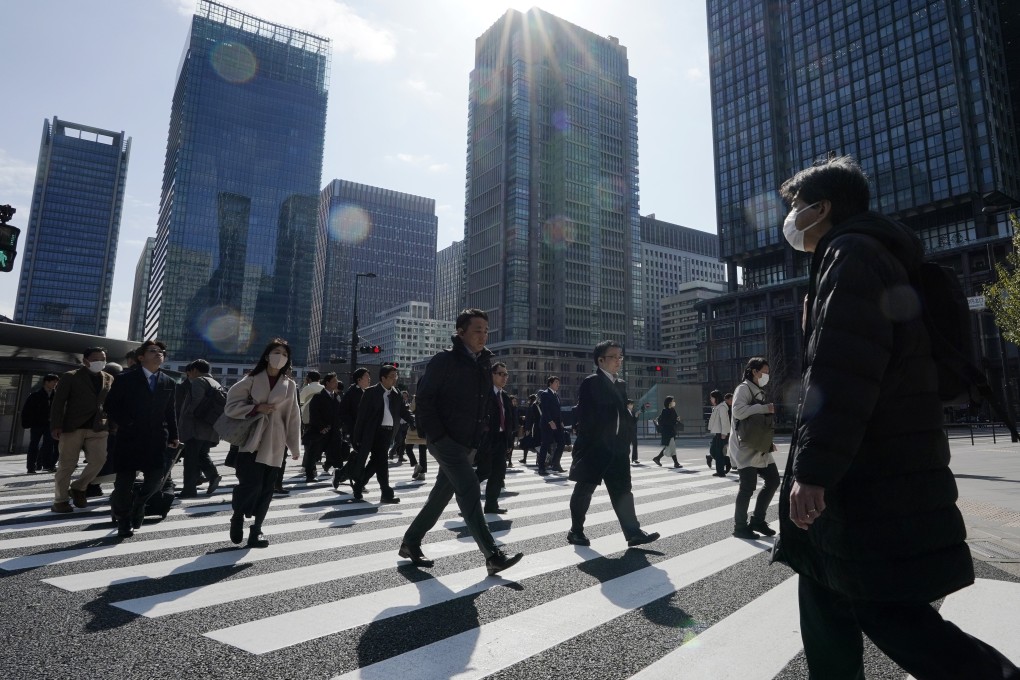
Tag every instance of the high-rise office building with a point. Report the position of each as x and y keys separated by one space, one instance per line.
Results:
x=231 y=268
x=449 y=299
x=368 y=230
x=73 y=227
x=672 y=255
x=136 y=322
x=406 y=333
x=552 y=226
x=917 y=90
x=683 y=333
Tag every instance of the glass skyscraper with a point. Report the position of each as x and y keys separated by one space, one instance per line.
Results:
x=449 y=299
x=552 y=226
x=70 y=245
x=366 y=229
x=232 y=264
x=917 y=90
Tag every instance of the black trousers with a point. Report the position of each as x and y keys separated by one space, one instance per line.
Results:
x=492 y=469
x=914 y=635
x=551 y=449
x=254 y=489
x=718 y=450
x=41 y=449
x=748 y=481
x=617 y=481
x=197 y=460
x=378 y=461
x=125 y=499
x=633 y=447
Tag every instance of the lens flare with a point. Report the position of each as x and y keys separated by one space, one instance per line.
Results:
x=349 y=224
x=224 y=328
x=558 y=232
x=561 y=121
x=233 y=62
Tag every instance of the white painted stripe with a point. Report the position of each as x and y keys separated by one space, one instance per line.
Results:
x=763 y=654
x=484 y=650
x=988 y=611
x=285 y=630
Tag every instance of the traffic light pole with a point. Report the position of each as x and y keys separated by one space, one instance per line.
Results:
x=354 y=323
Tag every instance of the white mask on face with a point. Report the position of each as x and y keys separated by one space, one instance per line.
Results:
x=278 y=361
x=97 y=366
x=795 y=236
x=763 y=380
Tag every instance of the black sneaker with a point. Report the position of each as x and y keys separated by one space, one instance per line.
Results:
x=499 y=561
x=762 y=527
x=414 y=553
x=745 y=532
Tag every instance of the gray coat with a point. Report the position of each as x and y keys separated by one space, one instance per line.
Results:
x=189 y=426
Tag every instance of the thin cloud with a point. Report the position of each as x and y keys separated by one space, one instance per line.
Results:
x=17 y=178
x=420 y=87
x=439 y=167
x=349 y=32
x=410 y=159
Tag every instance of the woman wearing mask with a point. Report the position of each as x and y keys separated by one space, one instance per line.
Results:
x=667 y=421
x=751 y=462
x=719 y=426
x=269 y=392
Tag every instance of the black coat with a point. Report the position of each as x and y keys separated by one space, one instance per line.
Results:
x=323 y=412
x=36 y=411
x=370 y=415
x=145 y=419
x=667 y=424
x=452 y=395
x=349 y=408
x=603 y=432
x=549 y=405
x=869 y=428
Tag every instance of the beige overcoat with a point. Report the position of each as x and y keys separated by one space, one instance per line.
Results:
x=280 y=429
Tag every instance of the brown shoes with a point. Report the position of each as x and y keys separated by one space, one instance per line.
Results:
x=79 y=497
x=62 y=506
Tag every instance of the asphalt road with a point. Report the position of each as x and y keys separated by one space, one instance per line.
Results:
x=330 y=597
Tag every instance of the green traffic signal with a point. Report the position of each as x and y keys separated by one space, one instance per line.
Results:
x=8 y=245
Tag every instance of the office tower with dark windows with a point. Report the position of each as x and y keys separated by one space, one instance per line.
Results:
x=136 y=322
x=368 y=230
x=449 y=298
x=232 y=264
x=672 y=255
x=919 y=91
x=552 y=224
x=70 y=246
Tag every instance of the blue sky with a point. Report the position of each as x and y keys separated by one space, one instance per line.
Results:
x=397 y=98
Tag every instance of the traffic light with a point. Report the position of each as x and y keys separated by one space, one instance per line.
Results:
x=376 y=349
x=370 y=349
x=8 y=239
x=654 y=369
x=394 y=364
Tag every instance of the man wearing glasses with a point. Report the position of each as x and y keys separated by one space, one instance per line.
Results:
x=497 y=440
x=602 y=446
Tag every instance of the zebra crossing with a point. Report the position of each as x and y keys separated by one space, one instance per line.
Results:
x=330 y=598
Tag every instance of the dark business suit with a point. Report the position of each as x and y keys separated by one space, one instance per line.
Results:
x=552 y=439
x=35 y=417
x=600 y=451
x=323 y=413
x=146 y=422
x=373 y=440
x=496 y=441
x=349 y=404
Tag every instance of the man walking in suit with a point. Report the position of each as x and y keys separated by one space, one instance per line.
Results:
x=497 y=440
x=78 y=422
x=452 y=399
x=141 y=403
x=601 y=448
x=323 y=430
x=379 y=413
x=551 y=427
x=35 y=417
x=349 y=403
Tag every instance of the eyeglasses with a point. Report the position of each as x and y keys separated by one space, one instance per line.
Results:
x=153 y=350
x=613 y=356
x=501 y=373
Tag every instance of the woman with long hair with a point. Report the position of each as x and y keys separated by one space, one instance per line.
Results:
x=268 y=393
x=667 y=421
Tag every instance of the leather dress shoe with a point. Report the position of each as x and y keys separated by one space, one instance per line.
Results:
x=499 y=561
x=641 y=538
x=577 y=538
x=338 y=478
x=309 y=479
x=279 y=490
x=93 y=491
x=236 y=529
x=358 y=490
x=257 y=540
x=188 y=494
x=124 y=528
x=61 y=507
x=558 y=469
x=745 y=532
x=78 y=496
x=762 y=527
x=392 y=500
x=414 y=553
x=543 y=472
x=214 y=484
x=495 y=511
x=137 y=517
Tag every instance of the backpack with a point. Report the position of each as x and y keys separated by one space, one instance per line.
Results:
x=210 y=408
x=948 y=320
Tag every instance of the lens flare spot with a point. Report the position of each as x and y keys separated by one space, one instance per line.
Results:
x=349 y=224
x=561 y=121
x=225 y=329
x=558 y=232
x=233 y=62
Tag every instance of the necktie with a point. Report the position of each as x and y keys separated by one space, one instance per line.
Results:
x=502 y=421
x=152 y=382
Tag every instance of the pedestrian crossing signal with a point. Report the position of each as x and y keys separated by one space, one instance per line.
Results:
x=8 y=239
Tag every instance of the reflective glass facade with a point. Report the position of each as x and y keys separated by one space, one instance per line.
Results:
x=233 y=261
x=552 y=226
x=143 y=270
x=449 y=282
x=366 y=229
x=70 y=246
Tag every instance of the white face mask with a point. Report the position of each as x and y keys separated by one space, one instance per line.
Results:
x=97 y=366
x=763 y=380
x=795 y=236
x=278 y=361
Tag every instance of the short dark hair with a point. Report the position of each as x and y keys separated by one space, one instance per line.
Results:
x=629 y=401
x=601 y=349
x=358 y=374
x=200 y=365
x=385 y=370
x=498 y=364
x=131 y=355
x=148 y=344
x=549 y=381
x=728 y=395
x=665 y=402
x=49 y=377
x=324 y=379
x=532 y=398
x=839 y=180
x=315 y=376
x=464 y=318
x=92 y=350
x=717 y=395
x=754 y=364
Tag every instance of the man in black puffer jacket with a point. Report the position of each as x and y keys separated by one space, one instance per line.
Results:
x=452 y=405
x=868 y=513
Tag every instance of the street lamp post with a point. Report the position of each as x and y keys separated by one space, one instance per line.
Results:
x=354 y=323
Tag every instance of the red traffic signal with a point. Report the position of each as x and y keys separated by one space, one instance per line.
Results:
x=376 y=349
x=658 y=369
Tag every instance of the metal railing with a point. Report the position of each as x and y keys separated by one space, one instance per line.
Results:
x=979 y=430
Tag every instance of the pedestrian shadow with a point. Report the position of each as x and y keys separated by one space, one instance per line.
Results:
x=988 y=478
x=660 y=611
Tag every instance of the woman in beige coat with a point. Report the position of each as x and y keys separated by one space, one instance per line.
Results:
x=269 y=394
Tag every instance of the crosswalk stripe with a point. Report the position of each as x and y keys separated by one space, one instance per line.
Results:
x=484 y=650
x=761 y=655
x=277 y=632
